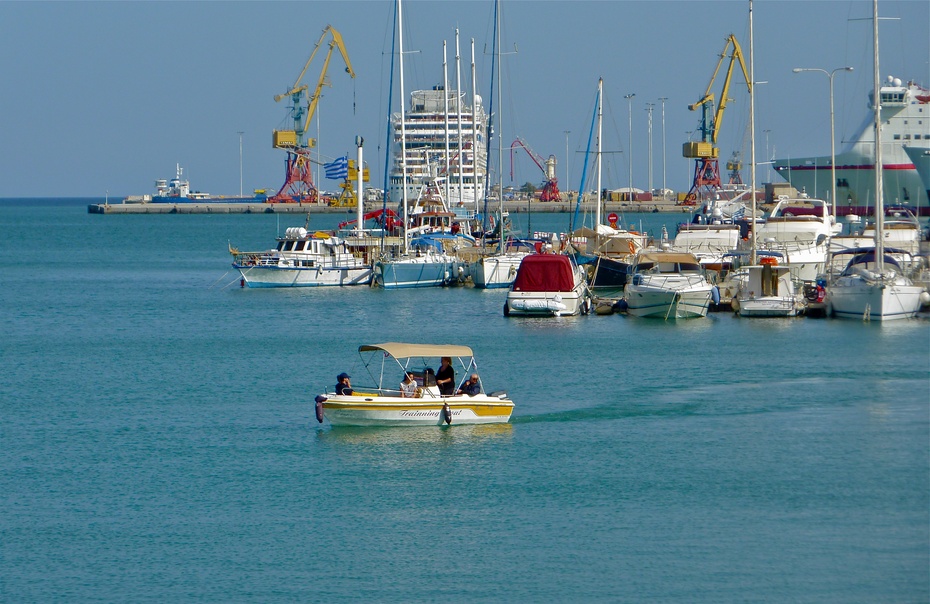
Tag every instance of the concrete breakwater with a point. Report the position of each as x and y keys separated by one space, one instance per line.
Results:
x=514 y=207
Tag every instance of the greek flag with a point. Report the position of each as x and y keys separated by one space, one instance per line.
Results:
x=739 y=214
x=337 y=169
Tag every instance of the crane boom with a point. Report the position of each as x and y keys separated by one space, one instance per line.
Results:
x=298 y=181
x=301 y=116
x=710 y=128
x=550 y=191
x=705 y=152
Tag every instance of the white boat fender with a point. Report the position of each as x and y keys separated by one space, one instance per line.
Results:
x=320 y=399
x=924 y=299
x=715 y=294
x=446 y=413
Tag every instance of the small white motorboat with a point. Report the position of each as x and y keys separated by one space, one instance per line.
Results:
x=548 y=285
x=668 y=285
x=382 y=403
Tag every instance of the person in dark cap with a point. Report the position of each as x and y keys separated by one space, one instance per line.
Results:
x=343 y=385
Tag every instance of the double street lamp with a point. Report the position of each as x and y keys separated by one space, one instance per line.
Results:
x=629 y=98
x=830 y=75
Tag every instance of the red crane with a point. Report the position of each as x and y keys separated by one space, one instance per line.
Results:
x=550 y=190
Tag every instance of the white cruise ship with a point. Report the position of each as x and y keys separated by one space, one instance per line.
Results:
x=906 y=121
x=434 y=123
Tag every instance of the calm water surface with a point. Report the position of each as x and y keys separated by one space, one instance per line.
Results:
x=159 y=442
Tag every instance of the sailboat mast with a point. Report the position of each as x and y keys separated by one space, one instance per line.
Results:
x=474 y=126
x=879 y=185
x=458 y=106
x=403 y=125
x=600 y=119
x=360 y=203
x=445 y=116
x=500 y=135
x=752 y=134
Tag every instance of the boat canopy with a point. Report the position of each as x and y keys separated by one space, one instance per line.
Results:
x=868 y=257
x=545 y=273
x=679 y=257
x=400 y=350
x=868 y=249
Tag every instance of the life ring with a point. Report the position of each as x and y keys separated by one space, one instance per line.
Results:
x=632 y=246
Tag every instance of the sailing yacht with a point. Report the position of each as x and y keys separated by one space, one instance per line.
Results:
x=767 y=289
x=428 y=257
x=608 y=249
x=872 y=285
x=498 y=269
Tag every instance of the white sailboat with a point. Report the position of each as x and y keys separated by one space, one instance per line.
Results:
x=768 y=289
x=610 y=249
x=498 y=270
x=426 y=262
x=872 y=285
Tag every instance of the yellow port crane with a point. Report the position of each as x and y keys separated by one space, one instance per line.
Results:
x=705 y=151
x=301 y=115
x=298 y=184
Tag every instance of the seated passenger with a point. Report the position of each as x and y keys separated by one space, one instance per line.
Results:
x=343 y=385
x=408 y=387
x=471 y=387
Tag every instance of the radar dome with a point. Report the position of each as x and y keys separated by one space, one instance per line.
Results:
x=897 y=82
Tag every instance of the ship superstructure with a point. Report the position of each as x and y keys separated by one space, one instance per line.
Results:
x=905 y=116
x=445 y=139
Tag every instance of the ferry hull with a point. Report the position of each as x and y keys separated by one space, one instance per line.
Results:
x=856 y=177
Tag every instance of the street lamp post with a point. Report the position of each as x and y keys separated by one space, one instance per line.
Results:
x=240 y=163
x=830 y=75
x=567 y=132
x=664 y=188
x=629 y=98
x=649 y=108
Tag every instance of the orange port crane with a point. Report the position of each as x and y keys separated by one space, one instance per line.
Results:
x=298 y=182
x=705 y=152
x=550 y=189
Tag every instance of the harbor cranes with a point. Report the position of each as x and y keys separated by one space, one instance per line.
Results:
x=298 y=182
x=705 y=152
x=550 y=189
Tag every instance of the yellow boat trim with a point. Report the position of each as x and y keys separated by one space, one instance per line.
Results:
x=479 y=409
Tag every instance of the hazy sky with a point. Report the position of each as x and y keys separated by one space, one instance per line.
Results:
x=108 y=96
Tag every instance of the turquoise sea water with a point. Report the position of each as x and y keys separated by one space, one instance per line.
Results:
x=159 y=444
